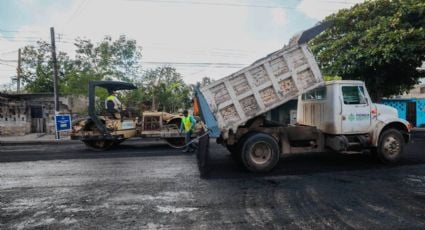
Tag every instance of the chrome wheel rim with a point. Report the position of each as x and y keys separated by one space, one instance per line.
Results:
x=391 y=146
x=261 y=153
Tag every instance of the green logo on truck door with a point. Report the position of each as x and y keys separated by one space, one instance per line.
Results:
x=362 y=117
x=351 y=117
x=358 y=117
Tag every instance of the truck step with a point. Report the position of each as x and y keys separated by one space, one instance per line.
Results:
x=354 y=146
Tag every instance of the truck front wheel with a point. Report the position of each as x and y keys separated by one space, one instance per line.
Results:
x=260 y=153
x=391 y=145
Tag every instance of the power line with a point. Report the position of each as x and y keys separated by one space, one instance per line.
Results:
x=6 y=64
x=22 y=40
x=18 y=31
x=3 y=60
x=77 y=11
x=31 y=39
x=10 y=52
x=194 y=63
x=23 y=37
x=214 y=4
x=343 y=2
x=226 y=4
x=198 y=64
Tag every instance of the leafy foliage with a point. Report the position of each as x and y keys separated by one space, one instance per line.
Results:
x=109 y=60
x=159 y=89
x=162 y=89
x=37 y=67
x=381 y=42
x=119 y=60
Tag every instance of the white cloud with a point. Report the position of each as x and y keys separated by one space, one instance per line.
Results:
x=189 y=33
x=320 y=9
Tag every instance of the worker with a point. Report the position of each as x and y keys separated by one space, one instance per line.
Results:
x=112 y=104
x=187 y=126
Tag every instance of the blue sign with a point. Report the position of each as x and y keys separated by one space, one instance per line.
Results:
x=63 y=122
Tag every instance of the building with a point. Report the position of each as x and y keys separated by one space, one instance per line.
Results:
x=22 y=114
x=410 y=106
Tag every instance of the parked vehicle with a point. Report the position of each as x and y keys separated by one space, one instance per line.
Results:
x=331 y=116
x=101 y=130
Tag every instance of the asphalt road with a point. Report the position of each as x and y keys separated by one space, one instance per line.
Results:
x=150 y=186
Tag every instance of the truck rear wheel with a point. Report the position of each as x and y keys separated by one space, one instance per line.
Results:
x=260 y=153
x=391 y=145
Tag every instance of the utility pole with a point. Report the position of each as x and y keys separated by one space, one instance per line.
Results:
x=18 y=73
x=55 y=77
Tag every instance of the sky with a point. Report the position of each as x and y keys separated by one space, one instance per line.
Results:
x=212 y=38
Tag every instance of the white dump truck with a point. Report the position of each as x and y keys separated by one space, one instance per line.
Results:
x=331 y=115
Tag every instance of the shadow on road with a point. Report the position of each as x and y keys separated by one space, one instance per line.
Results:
x=79 y=151
x=223 y=167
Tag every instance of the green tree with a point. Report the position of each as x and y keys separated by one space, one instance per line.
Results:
x=108 y=60
x=381 y=42
x=37 y=71
x=164 y=89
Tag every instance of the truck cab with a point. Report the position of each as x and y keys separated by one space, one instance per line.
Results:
x=343 y=110
x=339 y=107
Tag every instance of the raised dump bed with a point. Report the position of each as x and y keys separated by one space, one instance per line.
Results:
x=267 y=83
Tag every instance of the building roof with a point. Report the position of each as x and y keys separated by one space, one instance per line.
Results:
x=25 y=95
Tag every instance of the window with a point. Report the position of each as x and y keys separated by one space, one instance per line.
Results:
x=316 y=94
x=353 y=95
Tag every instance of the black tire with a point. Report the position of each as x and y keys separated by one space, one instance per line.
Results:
x=260 y=153
x=390 y=146
x=99 y=145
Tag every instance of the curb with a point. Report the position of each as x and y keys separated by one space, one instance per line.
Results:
x=38 y=142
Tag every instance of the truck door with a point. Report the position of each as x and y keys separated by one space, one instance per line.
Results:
x=355 y=110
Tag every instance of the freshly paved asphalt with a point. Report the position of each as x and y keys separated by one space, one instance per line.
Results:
x=150 y=186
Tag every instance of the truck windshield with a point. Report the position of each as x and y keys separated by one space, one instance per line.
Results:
x=353 y=95
x=316 y=94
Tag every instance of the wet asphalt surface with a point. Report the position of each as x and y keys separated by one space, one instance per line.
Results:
x=151 y=186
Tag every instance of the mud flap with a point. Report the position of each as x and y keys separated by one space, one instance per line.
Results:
x=203 y=155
